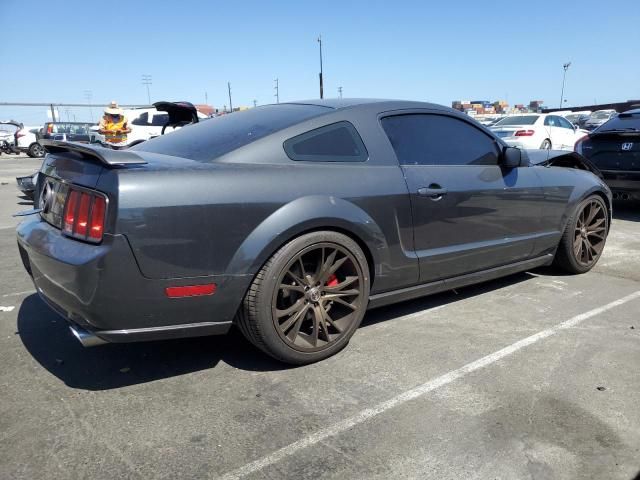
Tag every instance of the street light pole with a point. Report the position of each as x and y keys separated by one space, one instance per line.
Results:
x=340 y=92
x=277 y=89
x=321 y=86
x=564 y=77
x=230 y=104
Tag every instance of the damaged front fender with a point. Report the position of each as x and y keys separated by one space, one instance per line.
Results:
x=561 y=158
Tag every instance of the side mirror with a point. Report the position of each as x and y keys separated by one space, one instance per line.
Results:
x=511 y=157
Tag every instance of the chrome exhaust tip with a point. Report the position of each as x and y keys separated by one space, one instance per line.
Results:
x=85 y=337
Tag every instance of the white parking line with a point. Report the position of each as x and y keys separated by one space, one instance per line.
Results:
x=418 y=391
x=16 y=294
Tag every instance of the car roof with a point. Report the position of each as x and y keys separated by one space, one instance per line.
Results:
x=387 y=104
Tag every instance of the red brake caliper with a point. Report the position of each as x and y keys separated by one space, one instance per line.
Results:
x=332 y=281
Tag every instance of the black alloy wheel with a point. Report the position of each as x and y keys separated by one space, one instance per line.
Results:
x=308 y=299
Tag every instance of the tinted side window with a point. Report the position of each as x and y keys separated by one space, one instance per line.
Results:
x=142 y=119
x=421 y=139
x=160 y=120
x=338 y=142
x=564 y=123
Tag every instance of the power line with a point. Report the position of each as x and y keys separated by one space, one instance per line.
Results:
x=88 y=95
x=147 y=80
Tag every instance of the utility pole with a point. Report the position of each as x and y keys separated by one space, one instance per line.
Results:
x=230 y=104
x=146 y=80
x=277 y=89
x=255 y=103
x=321 y=87
x=88 y=95
x=340 y=92
x=206 y=98
x=564 y=76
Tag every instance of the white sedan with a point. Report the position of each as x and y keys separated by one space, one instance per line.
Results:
x=538 y=130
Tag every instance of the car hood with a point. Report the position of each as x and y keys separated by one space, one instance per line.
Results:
x=561 y=158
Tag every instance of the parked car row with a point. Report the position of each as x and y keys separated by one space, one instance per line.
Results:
x=538 y=130
x=145 y=123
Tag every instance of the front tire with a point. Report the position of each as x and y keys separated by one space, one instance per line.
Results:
x=308 y=299
x=584 y=236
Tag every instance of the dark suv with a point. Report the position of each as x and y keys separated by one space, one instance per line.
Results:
x=67 y=131
x=614 y=148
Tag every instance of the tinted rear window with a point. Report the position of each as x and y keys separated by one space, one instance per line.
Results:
x=621 y=123
x=518 y=120
x=338 y=142
x=208 y=140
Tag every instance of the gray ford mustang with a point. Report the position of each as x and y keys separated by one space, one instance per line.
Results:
x=291 y=220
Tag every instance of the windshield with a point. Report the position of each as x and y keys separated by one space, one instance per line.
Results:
x=573 y=118
x=601 y=115
x=209 y=140
x=518 y=120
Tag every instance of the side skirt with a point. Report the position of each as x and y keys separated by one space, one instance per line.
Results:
x=409 y=293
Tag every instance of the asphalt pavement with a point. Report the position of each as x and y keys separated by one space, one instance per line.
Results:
x=530 y=376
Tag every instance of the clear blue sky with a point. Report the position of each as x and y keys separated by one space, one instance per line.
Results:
x=436 y=51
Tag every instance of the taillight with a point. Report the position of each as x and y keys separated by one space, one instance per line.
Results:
x=524 y=133
x=84 y=214
x=578 y=146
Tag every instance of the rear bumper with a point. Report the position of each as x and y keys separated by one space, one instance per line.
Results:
x=100 y=289
x=624 y=185
x=522 y=143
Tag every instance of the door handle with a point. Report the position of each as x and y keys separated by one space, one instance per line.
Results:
x=433 y=191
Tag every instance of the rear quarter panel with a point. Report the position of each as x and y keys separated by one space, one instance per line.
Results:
x=189 y=219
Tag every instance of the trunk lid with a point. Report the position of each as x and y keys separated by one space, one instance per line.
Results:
x=614 y=151
x=73 y=164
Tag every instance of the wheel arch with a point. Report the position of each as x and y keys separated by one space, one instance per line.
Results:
x=305 y=215
x=608 y=202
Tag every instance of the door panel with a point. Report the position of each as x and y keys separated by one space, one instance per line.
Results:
x=488 y=217
x=469 y=214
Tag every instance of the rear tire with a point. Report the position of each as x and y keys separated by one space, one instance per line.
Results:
x=36 y=150
x=307 y=301
x=584 y=236
x=546 y=145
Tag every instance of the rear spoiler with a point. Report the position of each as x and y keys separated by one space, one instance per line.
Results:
x=107 y=156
